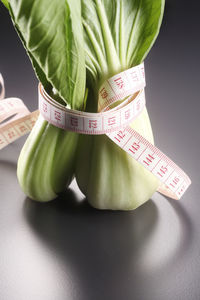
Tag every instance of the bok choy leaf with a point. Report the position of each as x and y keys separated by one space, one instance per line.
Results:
x=119 y=33
x=52 y=34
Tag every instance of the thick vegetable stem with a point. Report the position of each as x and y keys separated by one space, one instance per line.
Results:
x=109 y=177
x=46 y=162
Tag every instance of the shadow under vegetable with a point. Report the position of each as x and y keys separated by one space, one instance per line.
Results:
x=102 y=248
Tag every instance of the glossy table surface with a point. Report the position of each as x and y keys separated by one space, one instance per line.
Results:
x=66 y=249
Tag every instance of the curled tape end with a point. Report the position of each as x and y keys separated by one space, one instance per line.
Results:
x=2 y=93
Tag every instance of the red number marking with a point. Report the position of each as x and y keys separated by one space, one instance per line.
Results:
x=120 y=83
x=74 y=121
x=134 y=147
x=149 y=159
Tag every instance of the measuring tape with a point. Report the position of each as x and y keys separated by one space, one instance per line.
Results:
x=129 y=87
x=2 y=93
x=21 y=120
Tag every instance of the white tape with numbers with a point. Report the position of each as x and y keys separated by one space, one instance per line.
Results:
x=22 y=120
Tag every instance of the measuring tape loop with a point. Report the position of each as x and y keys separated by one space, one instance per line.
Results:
x=10 y=107
x=127 y=86
x=90 y=123
x=120 y=86
x=21 y=120
x=115 y=124
x=17 y=128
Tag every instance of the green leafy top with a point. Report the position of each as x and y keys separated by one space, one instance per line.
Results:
x=119 y=33
x=64 y=38
x=5 y=2
x=52 y=34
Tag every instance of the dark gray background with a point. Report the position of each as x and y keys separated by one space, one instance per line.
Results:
x=67 y=250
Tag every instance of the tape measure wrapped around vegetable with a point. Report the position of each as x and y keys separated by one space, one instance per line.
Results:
x=75 y=46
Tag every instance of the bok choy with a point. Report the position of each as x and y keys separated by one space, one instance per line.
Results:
x=51 y=34
x=74 y=46
x=118 y=35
